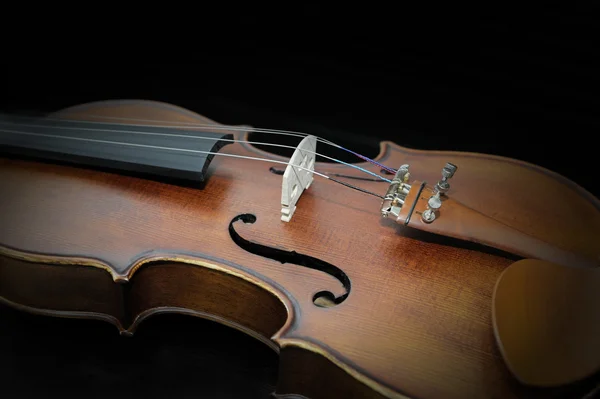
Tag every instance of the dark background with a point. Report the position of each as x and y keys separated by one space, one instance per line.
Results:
x=522 y=86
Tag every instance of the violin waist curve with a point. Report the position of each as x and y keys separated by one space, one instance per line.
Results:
x=413 y=313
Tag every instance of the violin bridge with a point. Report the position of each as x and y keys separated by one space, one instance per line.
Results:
x=298 y=176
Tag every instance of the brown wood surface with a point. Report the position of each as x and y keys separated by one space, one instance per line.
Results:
x=456 y=219
x=417 y=322
x=547 y=321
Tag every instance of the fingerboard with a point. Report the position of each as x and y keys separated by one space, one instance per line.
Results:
x=157 y=151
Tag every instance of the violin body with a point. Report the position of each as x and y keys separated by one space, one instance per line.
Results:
x=416 y=323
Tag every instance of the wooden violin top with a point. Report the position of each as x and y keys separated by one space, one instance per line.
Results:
x=417 y=321
x=547 y=323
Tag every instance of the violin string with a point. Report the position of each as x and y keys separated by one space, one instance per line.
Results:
x=192 y=125
x=197 y=152
x=203 y=138
x=266 y=131
x=281 y=172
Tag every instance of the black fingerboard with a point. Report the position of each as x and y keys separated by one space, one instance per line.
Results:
x=167 y=152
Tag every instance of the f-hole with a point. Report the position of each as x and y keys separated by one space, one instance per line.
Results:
x=321 y=298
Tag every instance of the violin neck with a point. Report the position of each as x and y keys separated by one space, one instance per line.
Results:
x=156 y=151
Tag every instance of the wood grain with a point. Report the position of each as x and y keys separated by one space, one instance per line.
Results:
x=417 y=322
x=455 y=219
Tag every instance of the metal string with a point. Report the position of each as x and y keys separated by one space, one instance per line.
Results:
x=191 y=151
x=201 y=138
x=192 y=125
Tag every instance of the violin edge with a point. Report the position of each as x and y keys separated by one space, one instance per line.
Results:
x=424 y=168
x=369 y=387
x=387 y=146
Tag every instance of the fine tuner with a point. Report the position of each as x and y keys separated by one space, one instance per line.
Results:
x=97 y=226
x=396 y=196
x=442 y=186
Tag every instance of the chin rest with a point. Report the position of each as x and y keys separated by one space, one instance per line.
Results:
x=547 y=322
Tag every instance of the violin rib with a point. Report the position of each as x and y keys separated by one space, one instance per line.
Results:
x=417 y=321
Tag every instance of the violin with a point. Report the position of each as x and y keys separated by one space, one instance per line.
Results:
x=374 y=279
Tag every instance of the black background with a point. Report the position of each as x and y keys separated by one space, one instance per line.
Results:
x=522 y=86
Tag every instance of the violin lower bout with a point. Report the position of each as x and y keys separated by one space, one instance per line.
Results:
x=80 y=291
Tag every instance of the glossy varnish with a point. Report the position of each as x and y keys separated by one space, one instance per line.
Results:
x=417 y=321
